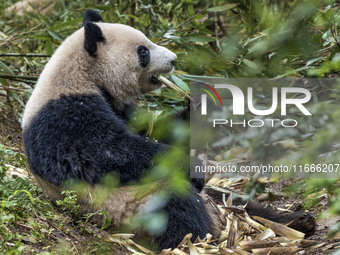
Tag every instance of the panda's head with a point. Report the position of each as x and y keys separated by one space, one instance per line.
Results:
x=122 y=59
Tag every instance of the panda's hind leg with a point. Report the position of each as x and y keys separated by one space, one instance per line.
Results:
x=185 y=215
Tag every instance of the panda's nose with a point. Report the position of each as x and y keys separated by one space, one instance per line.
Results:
x=173 y=62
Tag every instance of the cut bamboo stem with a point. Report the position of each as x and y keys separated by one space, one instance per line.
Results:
x=173 y=86
x=24 y=55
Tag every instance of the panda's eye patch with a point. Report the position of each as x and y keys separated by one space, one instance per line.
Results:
x=143 y=55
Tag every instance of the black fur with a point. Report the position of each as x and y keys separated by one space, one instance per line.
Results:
x=198 y=183
x=143 y=55
x=93 y=35
x=92 y=16
x=301 y=221
x=185 y=215
x=81 y=137
x=126 y=112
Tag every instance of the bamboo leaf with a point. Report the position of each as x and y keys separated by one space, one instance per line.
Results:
x=313 y=60
x=250 y=63
x=103 y=7
x=66 y=24
x=200 y=38
x=16 y=97
x=4 y=67
x=42 y=36
x=180 y=83
x=25 y=191
x=222 y=8
x=55 y=36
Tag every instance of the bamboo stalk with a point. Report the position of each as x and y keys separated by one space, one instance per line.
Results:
x=23 y=55
x=7 y=76
x=173 y=86
x=11 y=88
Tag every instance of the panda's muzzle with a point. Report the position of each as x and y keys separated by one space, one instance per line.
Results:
x=168 y=67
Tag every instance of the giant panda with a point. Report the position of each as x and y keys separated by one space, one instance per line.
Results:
x=74 y=126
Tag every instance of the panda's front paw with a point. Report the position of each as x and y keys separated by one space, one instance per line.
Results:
x=303 y=222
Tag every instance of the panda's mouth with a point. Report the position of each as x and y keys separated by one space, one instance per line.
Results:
x=154 y=80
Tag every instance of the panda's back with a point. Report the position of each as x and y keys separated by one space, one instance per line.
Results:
x=81 y=137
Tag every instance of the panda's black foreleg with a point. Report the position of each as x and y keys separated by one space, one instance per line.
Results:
x=185 y=215
x=301 y=221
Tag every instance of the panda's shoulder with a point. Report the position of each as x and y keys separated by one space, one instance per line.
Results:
x=78 y=111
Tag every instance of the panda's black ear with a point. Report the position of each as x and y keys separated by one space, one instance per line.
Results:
x=92 y=16
x=93 y=35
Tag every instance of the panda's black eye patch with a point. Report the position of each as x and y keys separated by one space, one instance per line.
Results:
x=143 y=55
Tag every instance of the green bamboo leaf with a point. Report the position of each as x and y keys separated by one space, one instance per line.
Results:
x=200 y=38
x=190 y=76
x=191 y=10
x=55 y=36
x=4 y=67
x=107 y=220
x=222 y=8
x=250 y=63
x=42 y=36
x=16 y=97
x=132 y=16
x=180 y=83
x=66 y=24
x=103 y=7
x=3 y=81
x=25 y=191
x=49 y=47
x=314 y=60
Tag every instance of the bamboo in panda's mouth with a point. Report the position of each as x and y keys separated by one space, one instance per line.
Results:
x=173 y=86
